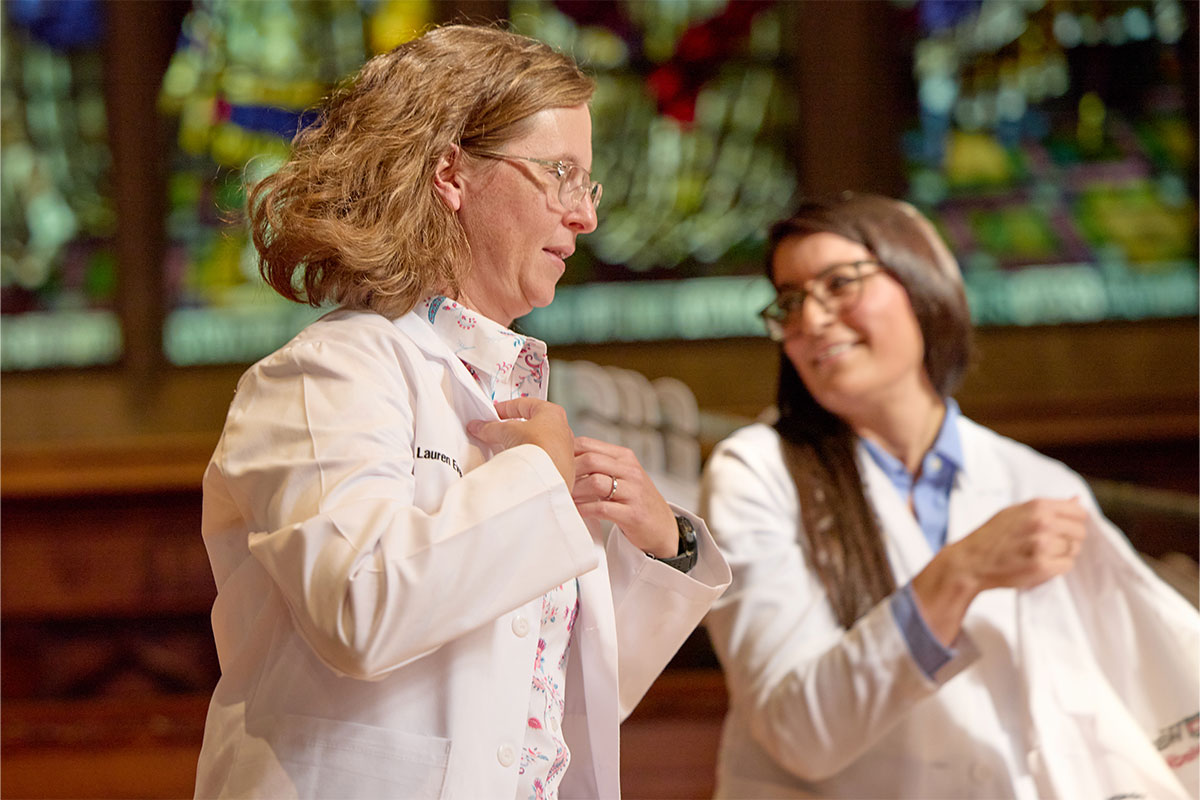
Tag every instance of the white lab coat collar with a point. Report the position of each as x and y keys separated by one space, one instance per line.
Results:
x=979 y=491
x=427 y=340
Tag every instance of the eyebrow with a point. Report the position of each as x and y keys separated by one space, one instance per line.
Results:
x=793 y=286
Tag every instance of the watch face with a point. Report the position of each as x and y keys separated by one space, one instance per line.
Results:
x=686 y=532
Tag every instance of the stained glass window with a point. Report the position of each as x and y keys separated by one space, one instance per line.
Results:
x=243 y=80
x=1052 y=150
x=1054 y=153
x=692 y=121
x=57 y=263
x=692 y=118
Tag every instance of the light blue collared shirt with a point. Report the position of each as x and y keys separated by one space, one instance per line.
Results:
x=930 y=494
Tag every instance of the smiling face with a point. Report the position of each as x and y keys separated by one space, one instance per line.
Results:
x=867 y=355
x=518 y=231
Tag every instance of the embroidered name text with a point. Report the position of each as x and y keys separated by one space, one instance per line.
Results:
x=433 y=455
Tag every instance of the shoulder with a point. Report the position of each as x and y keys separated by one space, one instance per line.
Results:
x=342 y=340
x=347 y=358
x=1019 y=465
x=752 y=438
x=757 y=445
x=362 y=330
x=748 y=464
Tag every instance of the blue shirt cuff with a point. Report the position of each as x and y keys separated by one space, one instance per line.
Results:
x=930 y=654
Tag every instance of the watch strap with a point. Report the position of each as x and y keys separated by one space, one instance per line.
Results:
x=686 y=556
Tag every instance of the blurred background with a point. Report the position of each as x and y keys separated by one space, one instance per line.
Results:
x=1053 y=143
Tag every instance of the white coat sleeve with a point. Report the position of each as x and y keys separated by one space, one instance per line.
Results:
x=657 y=606
x=318 y=456
x=817 y=696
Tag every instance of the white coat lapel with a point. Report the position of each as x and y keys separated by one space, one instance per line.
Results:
x=980 y=487
x=907 y=549
x=427 y=340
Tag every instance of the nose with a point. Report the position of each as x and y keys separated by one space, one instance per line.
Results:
x=814 y=315
x=583 y=219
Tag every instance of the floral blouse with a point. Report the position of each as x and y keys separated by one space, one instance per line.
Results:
x=508 y=365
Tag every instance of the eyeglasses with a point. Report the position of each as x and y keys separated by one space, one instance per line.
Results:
x=574 y=182
x=837 y=288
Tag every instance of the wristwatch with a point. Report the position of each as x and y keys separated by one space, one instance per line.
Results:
x=685 y=559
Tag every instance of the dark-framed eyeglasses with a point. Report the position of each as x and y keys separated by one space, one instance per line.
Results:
x=574 y=182
x=837 y=288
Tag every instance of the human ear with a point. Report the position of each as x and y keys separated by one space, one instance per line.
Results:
x=448 y=178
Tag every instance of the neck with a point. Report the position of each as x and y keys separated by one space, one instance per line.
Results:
x=905 y=426
x=481 y=308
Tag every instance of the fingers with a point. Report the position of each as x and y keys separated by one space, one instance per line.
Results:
x=520 y=407
x=1026 y=544
x=636 y=506
x=598 y=464
x=1070 y=509
x=586 y=444
x=593 y=455
x=498 y=434
x=1059 y=526
x=527 y=420
x=646 y=520
x=590 y=487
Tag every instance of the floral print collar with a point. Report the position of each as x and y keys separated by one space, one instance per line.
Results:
x=506 y=364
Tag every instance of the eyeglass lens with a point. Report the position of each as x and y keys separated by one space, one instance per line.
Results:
x=835 y=290
x=575 y=185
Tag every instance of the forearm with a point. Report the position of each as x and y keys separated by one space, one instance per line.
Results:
x=657 y=606
x=943 y=592
x=375 y=583
x=818 y=717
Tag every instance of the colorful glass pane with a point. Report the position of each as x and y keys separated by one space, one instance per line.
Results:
x=1054 y=154
x=692 y=117
x=57 y=262
x=242 y=81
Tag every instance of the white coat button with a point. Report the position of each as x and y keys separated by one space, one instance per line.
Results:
x=520 y=626
x=935 y=464
x=554 y=726
x=506 y=755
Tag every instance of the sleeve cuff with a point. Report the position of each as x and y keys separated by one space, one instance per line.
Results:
x=930 y=654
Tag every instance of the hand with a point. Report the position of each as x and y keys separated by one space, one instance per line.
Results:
x=1025 y=544
x=527 y=420
x=636 y=506
x=1021 y=546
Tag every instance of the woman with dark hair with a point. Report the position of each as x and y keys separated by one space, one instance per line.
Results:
x=427 y=586
x=922 y=608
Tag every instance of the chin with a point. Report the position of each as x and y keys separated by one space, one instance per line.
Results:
x=542 y=300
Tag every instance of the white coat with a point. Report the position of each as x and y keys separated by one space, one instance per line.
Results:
x=380 y=581
x=1055 y=692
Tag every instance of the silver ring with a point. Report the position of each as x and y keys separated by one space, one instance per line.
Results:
x=613 y=491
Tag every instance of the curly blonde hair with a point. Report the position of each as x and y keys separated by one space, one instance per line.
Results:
x=352 y=217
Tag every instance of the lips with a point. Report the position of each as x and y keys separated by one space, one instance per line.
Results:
x=560 y=252
x=830 y=352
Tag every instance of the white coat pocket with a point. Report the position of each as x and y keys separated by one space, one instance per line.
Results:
x=311 y=757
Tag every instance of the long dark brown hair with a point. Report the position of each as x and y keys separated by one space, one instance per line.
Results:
x=847 y=548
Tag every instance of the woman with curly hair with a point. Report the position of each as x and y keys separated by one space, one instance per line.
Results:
x=427 y=587
x=922 y=608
